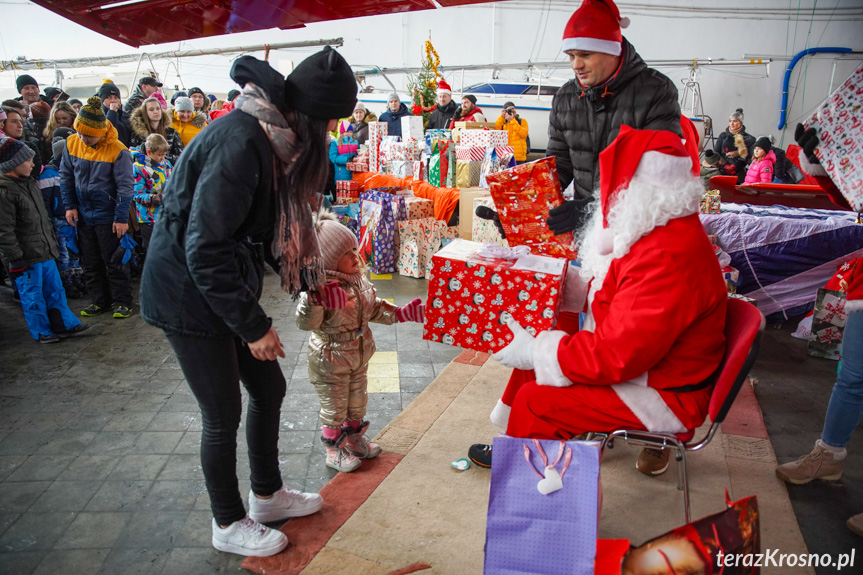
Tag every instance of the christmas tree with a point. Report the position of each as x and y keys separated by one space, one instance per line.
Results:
x=423 y=85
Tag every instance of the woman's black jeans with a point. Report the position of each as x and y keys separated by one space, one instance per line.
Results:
x=213 y=369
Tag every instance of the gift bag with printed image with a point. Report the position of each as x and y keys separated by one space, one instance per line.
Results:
x=828 y=324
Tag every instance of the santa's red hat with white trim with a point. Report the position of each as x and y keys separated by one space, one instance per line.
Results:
x=443 y=87
x=653 y=156
x=595 y=27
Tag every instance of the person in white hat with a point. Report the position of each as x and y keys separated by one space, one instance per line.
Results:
x=612 y=87
x=648 y=346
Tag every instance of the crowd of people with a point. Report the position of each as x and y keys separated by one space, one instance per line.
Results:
x=241 y=176
x=102 y=188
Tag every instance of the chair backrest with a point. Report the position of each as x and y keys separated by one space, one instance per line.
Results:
x=744 y=325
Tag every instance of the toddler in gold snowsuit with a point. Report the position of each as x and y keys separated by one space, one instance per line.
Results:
x=341 y=345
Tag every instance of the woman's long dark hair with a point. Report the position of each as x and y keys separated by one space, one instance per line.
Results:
x=309 y=172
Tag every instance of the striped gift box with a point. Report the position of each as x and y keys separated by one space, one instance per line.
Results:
x=503 y=151
x=345 y=197
x=357 y=166
x=469 y=153
x=347 y=185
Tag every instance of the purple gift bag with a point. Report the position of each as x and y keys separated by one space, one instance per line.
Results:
x=542 y=507
x=378 y=232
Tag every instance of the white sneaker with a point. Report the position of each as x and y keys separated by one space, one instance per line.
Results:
x=248 y=537
x=283 y=504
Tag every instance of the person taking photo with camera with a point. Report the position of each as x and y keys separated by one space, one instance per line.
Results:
x=517 y=128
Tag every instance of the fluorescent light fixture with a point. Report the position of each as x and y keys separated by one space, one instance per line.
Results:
x=118 y=4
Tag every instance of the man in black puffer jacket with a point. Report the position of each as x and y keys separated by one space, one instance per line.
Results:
x=612 y=87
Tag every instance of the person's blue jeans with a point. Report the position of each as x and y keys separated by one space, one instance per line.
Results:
x=41 y=289
x=846 y=401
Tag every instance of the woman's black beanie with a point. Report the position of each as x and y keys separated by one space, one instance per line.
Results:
x=322 y=86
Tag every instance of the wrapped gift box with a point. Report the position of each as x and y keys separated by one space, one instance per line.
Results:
x=346 y=197
x=523 y=196
x=467 y=174
x=840 y=137
x=348 y=185
x=471 y=296
x=402 y=169
x=710 y=202
x=474 y=125
x=377 y=132
x=412 y=127
x=390 y=149
x=469 y=153
x=357 y=166
x=828 y=324
x=484 y=231
x=416 y=246
x=417 y=208
x=418 y=241
x=484 y=138
x=466 y=211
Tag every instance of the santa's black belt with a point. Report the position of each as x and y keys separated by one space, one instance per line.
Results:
x=693 y=387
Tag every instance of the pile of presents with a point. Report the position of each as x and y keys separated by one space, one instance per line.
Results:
x=461 y=157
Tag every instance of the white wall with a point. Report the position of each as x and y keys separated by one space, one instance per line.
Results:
x=518 y=31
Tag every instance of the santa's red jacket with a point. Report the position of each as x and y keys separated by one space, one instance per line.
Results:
x=655 y=329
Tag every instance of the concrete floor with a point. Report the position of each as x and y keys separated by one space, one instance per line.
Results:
x=99 y=438
x=793 y=392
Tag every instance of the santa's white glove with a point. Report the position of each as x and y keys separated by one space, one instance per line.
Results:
x=519 y=353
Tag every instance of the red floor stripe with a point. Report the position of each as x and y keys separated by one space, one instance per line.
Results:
x=471 y=357
x=343 y=495
x=744 y=418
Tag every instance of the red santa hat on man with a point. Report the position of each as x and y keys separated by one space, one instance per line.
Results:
x=443 y=87
x=595 y=27
x=654 y=157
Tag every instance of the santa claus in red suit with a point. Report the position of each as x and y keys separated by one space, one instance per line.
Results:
x=655 y=301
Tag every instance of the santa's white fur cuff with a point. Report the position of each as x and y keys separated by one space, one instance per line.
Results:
x=545 y=362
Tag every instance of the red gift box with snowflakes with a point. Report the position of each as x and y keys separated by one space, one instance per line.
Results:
x=475 y=289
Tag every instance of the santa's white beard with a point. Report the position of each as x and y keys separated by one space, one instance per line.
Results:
x=637 y=210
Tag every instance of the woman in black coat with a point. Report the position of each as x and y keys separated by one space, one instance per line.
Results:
x=734 y=147
x=248 y=177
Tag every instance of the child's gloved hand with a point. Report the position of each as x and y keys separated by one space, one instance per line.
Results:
x=414 y=311
x=519 y=352
x=123 y=253
x=16 y=268
x=332 y=296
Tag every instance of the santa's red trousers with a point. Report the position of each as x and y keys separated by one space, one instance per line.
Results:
x=544 y=412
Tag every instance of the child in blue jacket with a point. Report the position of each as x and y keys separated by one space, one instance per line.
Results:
x=151 y=171
x=49 y=183
x=343 y=151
